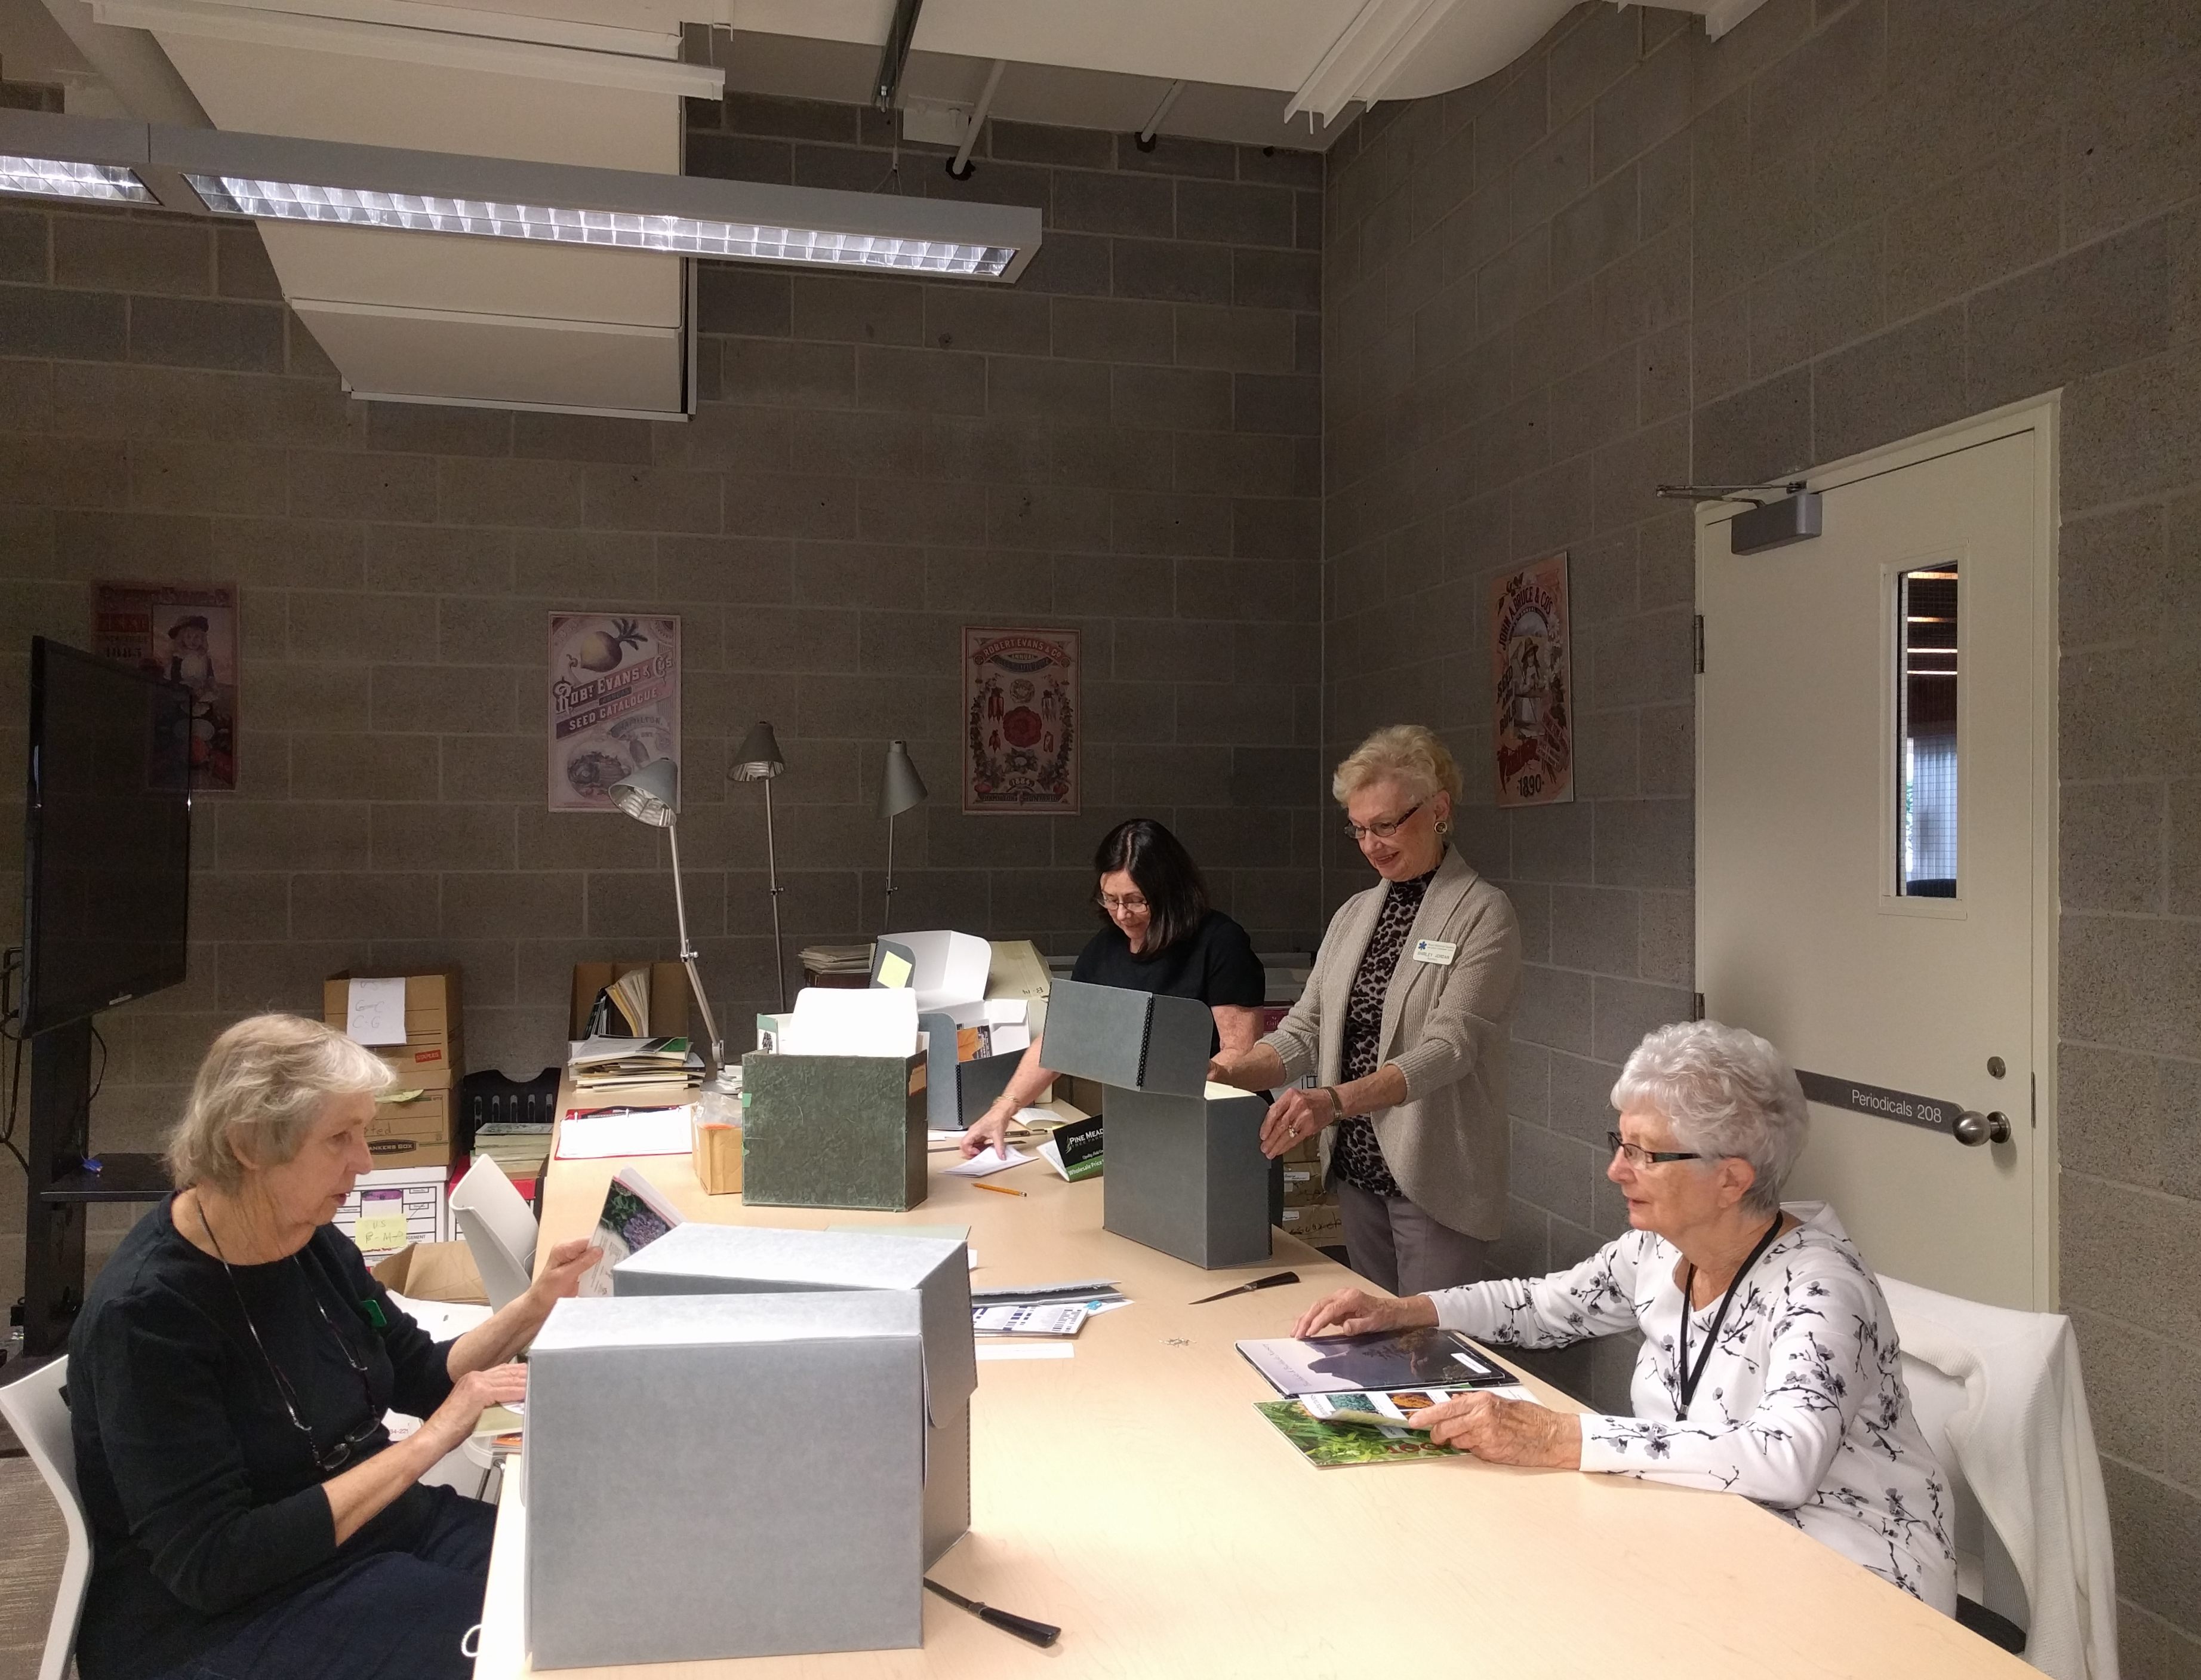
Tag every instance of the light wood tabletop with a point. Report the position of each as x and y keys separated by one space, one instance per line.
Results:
x=1132 y=1494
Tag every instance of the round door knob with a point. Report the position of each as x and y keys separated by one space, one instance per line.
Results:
x=1974 y=1128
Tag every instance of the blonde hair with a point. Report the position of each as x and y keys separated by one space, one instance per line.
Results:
x=1406 y=752
x=274 y=1073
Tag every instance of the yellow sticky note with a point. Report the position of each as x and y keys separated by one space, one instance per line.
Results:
x=894 y=969
x=381 y=1225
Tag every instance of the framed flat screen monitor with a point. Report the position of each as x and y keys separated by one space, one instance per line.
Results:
x=107 y=854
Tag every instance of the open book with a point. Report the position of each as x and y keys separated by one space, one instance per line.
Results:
x=636 y=1214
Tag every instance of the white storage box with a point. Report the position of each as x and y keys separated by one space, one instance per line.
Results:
x=397 y=1206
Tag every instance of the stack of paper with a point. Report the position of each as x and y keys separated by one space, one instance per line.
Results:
x=836 y=958
x=611 y=1063
x=519 y=1147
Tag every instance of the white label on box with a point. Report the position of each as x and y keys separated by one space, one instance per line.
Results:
x=374 y=1012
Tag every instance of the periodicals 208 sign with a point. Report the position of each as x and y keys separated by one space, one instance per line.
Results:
x=1021 y=721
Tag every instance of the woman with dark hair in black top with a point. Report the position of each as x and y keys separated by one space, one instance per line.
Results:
x=1159 y=934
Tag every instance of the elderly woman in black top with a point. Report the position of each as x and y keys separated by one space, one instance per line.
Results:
x=1159 y=934
x=1404 y=1020
x=228 y=1376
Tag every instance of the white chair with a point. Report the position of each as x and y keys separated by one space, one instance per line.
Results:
x=499 y=1229
x=35 y=1410
x=1999 y=1399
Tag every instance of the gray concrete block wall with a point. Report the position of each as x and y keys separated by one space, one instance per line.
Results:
x=1126 y=443
x=1635 y=256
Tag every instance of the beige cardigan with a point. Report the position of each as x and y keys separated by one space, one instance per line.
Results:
x=1446 y=1029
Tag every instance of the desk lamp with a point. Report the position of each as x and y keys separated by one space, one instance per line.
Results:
x=902 y=790
x=652 y=795
x=758 y=760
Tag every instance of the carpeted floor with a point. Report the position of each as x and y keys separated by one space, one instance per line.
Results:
x=30 y=1547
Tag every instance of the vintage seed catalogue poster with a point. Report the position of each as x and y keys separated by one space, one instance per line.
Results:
x=1531 y=656
x=1020 y=704
x=614 y=703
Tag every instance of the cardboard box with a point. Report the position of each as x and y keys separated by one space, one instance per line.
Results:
x=433 y=1055
x=1303 y=1184
x=699 y=1259
x=393 y=1207
x=414 y=1130
x=433 y=1272
x=726 y=1476
x=833 y=1131
x=718 y=1157
x=1321 y=1224
x=668 y=995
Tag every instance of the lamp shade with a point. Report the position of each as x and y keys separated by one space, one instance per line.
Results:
x=757 y=759
x=652 y=793
x=903 y=787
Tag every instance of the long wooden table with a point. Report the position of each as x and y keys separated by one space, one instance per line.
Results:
x=1132 y=1494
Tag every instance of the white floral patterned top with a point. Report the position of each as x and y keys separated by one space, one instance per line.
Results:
x=1801 y=1406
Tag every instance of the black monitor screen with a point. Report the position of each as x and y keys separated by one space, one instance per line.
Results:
x=107 y=841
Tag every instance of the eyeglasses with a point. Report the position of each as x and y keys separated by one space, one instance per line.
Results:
x=1130 y=904
x=1385 y=829
x=1639 y=1156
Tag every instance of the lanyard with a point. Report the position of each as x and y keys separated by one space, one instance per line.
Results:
x=1691 y=1379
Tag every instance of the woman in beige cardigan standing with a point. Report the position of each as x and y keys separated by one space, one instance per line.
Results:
x=1406 y=1017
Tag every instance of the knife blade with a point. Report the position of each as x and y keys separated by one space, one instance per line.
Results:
x=1268 y=1282
x=1039 y=1633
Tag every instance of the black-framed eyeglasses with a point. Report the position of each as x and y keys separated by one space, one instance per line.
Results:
x=1387 y=828
x=1129 y=904
x=1639 y=1156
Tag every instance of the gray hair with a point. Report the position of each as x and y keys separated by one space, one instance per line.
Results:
x=1409 y=754
x=274 y=1074
x=1728 y=1094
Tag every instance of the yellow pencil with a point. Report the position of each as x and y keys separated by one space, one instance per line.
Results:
x=998 y=1189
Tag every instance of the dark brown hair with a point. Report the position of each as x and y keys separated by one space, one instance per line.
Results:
x=1156 y=860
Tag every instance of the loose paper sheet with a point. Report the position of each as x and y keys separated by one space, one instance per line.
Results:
x=1030 y=1318
x=833 y=1021
x=374 y=1012
x=653 y=1132
x=987 y=1162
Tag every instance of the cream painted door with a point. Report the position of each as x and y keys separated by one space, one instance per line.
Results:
x=1875 y=852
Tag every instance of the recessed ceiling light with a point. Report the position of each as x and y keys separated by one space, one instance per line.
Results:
x=621 y=230
x=58 y=178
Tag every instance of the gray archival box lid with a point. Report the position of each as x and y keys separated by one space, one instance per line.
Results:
x=765 y=1260
x=1132 y=1040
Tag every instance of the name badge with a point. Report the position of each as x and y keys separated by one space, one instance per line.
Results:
x=1438 y=951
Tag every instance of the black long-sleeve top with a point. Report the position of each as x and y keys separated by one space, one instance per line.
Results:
x=203 y=1499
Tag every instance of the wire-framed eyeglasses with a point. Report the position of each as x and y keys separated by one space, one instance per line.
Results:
x=1129 y=904
x=1386 y=828
x=1639 y=1156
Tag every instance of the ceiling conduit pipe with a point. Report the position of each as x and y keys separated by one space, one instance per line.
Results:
x=1144 y=140
x=959 y=167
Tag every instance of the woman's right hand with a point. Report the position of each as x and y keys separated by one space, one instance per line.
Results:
x=990 y=1131
x=473 y=1394
x=1357 y=1312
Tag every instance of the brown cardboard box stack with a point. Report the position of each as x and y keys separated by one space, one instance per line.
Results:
x=413 y=1124
x=1311 y=1211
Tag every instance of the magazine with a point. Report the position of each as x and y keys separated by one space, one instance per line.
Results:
x=1404 y=1359
x=636 y=1214
x=1327 y=1445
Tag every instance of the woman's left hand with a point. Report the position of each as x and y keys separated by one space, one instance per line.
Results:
x=1505 y=1432
x=562 y=1279
x=1293 y=1117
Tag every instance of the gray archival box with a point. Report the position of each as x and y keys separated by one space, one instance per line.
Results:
x=686 y=1498
x=1185 y=1174
x=698 y=1259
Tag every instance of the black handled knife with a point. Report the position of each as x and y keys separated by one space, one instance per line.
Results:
x=1268 y=1282
x=1039 y=1633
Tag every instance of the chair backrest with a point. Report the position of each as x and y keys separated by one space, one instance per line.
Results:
x=499 y=1228
x=36 y=1409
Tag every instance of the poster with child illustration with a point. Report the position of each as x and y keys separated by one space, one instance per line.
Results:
x=186 y=633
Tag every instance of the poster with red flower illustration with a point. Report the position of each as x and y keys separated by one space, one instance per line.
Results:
x=614 y=701
x=1533 y=668
x=188 y=634
x=1021 y=722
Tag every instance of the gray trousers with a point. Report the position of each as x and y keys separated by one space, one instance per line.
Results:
x=1392 y=1243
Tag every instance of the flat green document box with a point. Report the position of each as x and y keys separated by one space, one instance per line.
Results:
x=833 y=1131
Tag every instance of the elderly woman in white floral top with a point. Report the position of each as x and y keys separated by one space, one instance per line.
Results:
x=1777 y=1379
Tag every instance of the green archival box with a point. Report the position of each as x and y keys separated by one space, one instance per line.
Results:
x=833 y=1131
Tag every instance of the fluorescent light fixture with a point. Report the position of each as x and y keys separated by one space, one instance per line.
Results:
x=58 y=178
x=687 y=235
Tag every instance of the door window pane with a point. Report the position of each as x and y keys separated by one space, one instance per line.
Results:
x=1926 y=643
